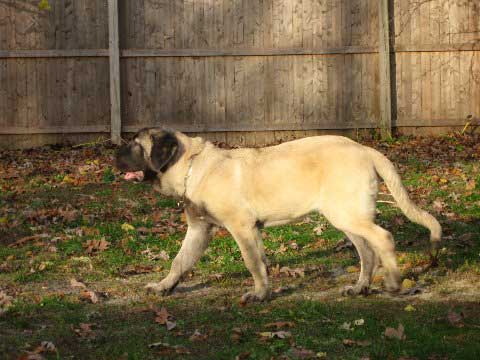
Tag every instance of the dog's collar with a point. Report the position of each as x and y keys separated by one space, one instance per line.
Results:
x=189 y=173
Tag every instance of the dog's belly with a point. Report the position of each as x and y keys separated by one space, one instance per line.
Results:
x=278 y=222
x=271 y=215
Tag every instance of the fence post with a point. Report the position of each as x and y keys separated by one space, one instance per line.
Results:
x=384 y=70
x=114 y=55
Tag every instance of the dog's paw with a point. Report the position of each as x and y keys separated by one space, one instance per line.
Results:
x=160 y=288
x=392 y=282
x=253 y=296
x=358 y=289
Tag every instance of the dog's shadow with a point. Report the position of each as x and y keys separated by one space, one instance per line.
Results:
x=186 y=288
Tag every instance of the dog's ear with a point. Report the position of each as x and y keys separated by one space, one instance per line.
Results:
x=164 y=149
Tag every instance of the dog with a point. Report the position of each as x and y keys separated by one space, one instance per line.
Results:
x=246 y=189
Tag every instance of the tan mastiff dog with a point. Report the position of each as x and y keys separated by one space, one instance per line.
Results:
x=246 y=189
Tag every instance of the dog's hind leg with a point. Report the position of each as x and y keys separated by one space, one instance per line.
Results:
x=368 y=264
x=249 y=240
x=193 y=246
x=378 y=239
x=381 y=241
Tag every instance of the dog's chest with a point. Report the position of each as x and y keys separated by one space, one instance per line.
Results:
x=202 y=213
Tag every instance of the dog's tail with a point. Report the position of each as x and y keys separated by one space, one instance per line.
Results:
x=389 y=174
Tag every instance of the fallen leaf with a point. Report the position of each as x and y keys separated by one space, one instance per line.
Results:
x=408 y=284
x=276 y=334
x=398 y=333
x=280 y=324
x=69 y=215
x=45 y=347
x=68 y=180
x=318 y=230
x=93 y=246
x=139 y=269
x=237 y=334
x=84 y=331
x=163 y=255
x=243 y=356
x=127 y=227
x=293 y=272
x=151 y=255
x=362 y=343
x=409 y=308
x=438 y=206
x=359 y=322
x=281 y=249
x=31 y=356
x=346 y=326
x=399 y=220
x=178 y=349
x=88 y=295
x=164 y=318
x=26 y=239
x=198 y=336
x=300 y=353
x=222 y=232
x=471 y=185
x=293 y=245
x=455 y=319
x=352 y=269
x=77 y=284
x=320 y=244
x=171 y=325
x=5 y=267
x=5 y=302
x=344 y=244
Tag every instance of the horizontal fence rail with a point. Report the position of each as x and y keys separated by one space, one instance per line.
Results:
x=16 y=54
x=220 y=66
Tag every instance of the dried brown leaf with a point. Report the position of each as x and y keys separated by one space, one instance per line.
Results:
x=301 y=353
x=361 y=343
x=399 y=333
x=198 y=336
x=84 y=330
x=456 y=319
x=275 y=334
x=88 y=295
x=280 y=324
x=92 y=246
x=77 y=284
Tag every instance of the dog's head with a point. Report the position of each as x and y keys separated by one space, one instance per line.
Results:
x=151 y=152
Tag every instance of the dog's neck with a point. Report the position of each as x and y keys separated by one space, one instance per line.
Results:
x=174 y=182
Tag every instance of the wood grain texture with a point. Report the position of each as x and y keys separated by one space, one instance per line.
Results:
x=114 y=59
x=284 y=68
x=385 y=120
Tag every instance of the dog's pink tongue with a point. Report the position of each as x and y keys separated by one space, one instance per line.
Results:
x=134 y=175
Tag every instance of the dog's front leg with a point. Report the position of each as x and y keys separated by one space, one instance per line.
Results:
x=249 y=241
x=193 y=246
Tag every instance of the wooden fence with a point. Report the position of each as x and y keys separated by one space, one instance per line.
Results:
x=233 y=65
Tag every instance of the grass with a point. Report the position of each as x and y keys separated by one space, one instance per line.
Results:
x=95 y=205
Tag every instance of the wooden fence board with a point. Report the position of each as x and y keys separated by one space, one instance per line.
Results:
x=236 y=65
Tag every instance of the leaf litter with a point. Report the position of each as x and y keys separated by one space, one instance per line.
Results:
x=163 y=317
